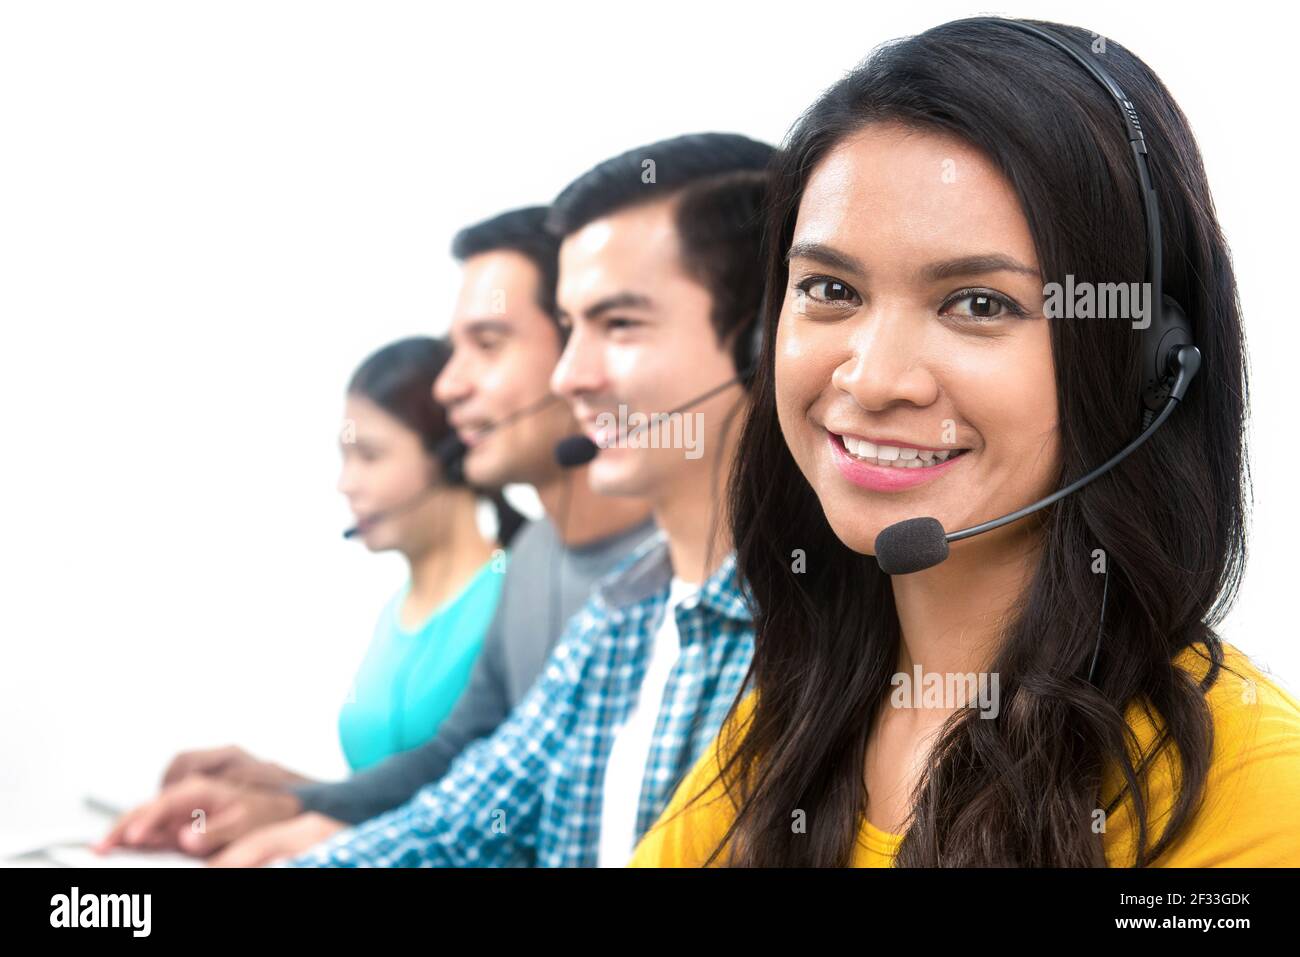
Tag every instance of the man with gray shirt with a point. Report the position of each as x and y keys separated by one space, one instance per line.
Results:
x=506 y=342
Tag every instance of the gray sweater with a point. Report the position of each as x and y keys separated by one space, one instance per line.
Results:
x=527 y=622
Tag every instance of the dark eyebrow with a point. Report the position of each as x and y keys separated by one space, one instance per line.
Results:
x=475 y=327
x=974 y=265
x=826 y=255
x=965 y=266
x=621 y=300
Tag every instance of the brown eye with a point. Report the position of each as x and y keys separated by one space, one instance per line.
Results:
x=837 y=290
x=826 y=289
x=984 y=307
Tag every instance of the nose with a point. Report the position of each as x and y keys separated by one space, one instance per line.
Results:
x=888 y=363
x=452 y=384
x=348 y=481
x=581 y=369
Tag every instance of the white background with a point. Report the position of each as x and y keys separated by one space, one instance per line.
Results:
x=209 y=213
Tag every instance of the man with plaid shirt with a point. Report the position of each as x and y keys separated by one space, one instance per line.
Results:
x=659 y=287
x=531 y=793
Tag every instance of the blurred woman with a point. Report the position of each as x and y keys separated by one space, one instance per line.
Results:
x=401 y=479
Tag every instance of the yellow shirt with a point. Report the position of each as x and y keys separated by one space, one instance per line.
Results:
x=1250 y=816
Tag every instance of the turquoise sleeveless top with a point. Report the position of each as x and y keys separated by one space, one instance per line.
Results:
x=409 y=681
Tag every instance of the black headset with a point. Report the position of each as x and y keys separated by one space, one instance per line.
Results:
x=1169 y=327
x=749 y=349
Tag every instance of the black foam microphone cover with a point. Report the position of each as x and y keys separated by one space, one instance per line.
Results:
x=910 y=546
x=575 y=450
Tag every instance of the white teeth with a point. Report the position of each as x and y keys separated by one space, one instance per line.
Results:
x=899 y=457
x=860 y=447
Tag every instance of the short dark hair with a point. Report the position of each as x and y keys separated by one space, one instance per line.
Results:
x=719 y=180
x=523 y=231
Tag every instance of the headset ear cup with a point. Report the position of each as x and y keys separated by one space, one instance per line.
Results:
x=455 y=472
x=1159 y=344
x=450 y=454
x=751 y=349
x=1176 y=317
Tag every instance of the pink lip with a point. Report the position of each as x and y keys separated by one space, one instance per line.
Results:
x=883 y=478
x=470 y=436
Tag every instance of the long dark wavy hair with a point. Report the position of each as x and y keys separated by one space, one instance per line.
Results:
x=1020 y=789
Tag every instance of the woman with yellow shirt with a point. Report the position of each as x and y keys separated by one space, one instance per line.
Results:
x=956 y=308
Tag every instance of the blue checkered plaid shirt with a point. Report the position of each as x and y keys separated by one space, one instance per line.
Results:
x=530 y=793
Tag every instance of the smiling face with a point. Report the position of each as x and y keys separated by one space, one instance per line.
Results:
x=504 y=348
x=913 y=370
x=642 y=339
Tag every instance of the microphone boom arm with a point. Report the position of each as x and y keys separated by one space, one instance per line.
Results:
x=1188 y=359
